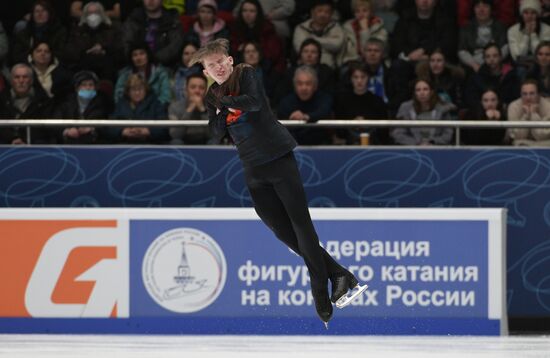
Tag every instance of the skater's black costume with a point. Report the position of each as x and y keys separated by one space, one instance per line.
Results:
x=265 y=148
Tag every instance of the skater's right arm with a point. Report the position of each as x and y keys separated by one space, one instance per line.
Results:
x=249 y=98
x=216 y=119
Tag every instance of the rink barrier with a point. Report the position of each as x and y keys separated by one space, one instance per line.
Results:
x=328 y=123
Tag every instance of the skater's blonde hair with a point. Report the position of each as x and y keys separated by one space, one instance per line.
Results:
x=219 y=46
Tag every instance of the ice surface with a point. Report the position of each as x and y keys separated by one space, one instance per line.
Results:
x=124 y=346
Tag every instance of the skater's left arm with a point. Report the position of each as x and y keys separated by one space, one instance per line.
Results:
x=249 y=98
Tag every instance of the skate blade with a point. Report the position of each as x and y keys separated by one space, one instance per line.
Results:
x=326 y=325
x=346 y=300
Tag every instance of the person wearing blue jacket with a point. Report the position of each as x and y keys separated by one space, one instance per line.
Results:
x=138 y=103
x=237 y=106
x=142 y=63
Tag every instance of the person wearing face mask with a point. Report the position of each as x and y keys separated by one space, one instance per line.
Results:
x=112 y=8
x=94 y=44
x=85 y=102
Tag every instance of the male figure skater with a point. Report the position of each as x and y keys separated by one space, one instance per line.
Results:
x=237 y=105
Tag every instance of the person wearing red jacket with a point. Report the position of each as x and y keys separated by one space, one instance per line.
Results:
x=251 y=25
x=504 y=10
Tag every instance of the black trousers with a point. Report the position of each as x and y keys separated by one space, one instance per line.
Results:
x=279 y=200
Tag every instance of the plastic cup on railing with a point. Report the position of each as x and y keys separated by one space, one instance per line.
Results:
x=365 y=138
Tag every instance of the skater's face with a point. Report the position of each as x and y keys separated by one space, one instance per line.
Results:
x=529 y=94
x=437 y=63
x=543 y=56
x=492 y=57
x=249 y=12
x=359 y=80
x=218 y=66
x=422 y=92
x=489 y=100
x=304 y=85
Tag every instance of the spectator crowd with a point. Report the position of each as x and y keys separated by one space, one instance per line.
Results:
x=479 y=60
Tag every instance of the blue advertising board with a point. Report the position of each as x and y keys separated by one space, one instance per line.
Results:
x=517 y=179
x=221 y=271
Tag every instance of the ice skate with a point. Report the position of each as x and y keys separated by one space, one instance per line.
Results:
x=345 y=289
x=323 y=306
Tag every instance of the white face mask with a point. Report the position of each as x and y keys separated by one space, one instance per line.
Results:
x=93 y=20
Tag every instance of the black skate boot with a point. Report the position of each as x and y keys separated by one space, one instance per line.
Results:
x=323 y=306
x=341 y=285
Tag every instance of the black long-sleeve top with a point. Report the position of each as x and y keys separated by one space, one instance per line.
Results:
x=257 y=134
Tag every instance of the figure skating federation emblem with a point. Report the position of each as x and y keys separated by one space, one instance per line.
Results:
x=184 y=270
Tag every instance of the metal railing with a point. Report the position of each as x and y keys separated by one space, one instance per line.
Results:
x=332 y=123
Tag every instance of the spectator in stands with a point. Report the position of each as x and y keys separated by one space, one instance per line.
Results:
x=307 y=103
x=529 y=107
x=142 y=63
x=276 y=11
x=252 y=55
x=377 y=70
x=94 y=44
x=494 y=73
x=324 y=29
x=192 y=107
x=525 y=36
x=127 y=7
x=490 y=108
x=359 y=103
x=138 y=102
x=208 y=26
x=42 y=27
x=111 y=9
x=4 y=47
x=478 y=33
x=421 y=31
x=541 y=70
x=184 y=70
x=417 y=34
x=545 y=15
x=385 y=10
x=447 y=79
x=54 y=78
x=425 y=105
x=359 y=30
x=252 y=26
x=159 y=28
x=503 y=10
x=25 y=101
x=85 y=102
x=309 y=55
